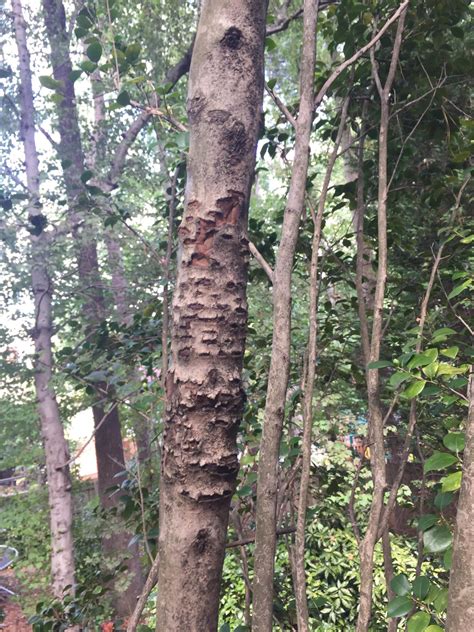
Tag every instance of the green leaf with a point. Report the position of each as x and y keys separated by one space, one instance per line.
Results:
x=379 y=364
x=450 y=352
x=123 y=98
x=427 y=521
x=423 y=359
x=459 y=288
x=443 y=499
x=421 y=587
x=74 y=75
x=271 y=83
x=414 y=389
x=132 y=52
x=418 y=622
x=88 y=66
x=441 y=601
x=444 y=331
x=438 y=461
x=94 y=51
x=86 y=175
x=455 y=441
x=397 y=378
x=399 y=606
x=448 y=558
x=452 y=482
x=50 y=83
x=270 y=44
x=437 y=539
x=433 y=628
x=400 y=585
x=430 y=370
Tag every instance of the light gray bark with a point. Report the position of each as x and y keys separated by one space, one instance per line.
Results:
x=204 y=386
x=461 y=581
x=267 y=483
x=55 y=445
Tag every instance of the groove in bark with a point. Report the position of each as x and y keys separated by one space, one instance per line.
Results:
x=204 y=389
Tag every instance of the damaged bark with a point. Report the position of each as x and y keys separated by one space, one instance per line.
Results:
x=204 y=386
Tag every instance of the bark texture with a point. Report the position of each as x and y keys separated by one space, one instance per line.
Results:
x=461 y=581
x=204 y=388
x=55 y=445
x=108 y=439
x=267 y=485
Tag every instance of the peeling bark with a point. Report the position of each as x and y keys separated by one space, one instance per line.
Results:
x=55 y=445
x=204 y=387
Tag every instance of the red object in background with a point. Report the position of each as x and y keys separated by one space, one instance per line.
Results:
x=107 y=626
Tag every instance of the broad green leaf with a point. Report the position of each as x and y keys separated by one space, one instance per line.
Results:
x=450 y=352
x=459 y=288
x=50 y=83
x=123 y=98
x=438 y=461
x=269 y=44
x=433 y=628
x=455 y=441
x=448 y=558
x=94 y=51
x=88 y=66
x=421 y=587
x=452 y=482
x=399 y=606
x=448 y=369
x=430 y=370
x=414 y=389
x=132 y=52
x=427 y=521
x=441 y=601
x=400 y=585
x=397 y=378
x=423 y=359
x=444 y=331
x=418 y=622
x=379 y=364
x=74 y=75
x=437 y=539
x=443 y=499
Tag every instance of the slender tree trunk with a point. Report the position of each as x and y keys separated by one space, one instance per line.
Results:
x=310 y=375
x=204 y=387
x=376 y=418
x=108 y=439
x=461 y=581
x=56 y=449
x=265 y=543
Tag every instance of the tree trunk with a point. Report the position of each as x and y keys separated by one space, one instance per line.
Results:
x=375 y=414
x=204 y=387
x=55 y=445
x=461 y=581
x=108 y=439
x=267 y=484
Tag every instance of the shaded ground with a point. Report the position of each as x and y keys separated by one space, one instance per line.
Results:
x=13 y=618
